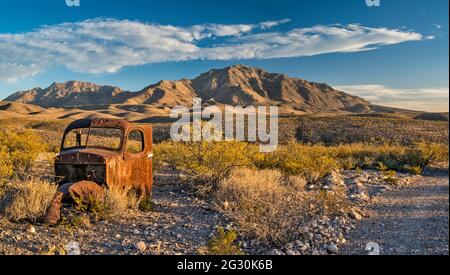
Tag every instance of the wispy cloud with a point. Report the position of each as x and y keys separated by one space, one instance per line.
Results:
x=107 y=45
x=430 y=99
x=270 y=24
x=437 y=26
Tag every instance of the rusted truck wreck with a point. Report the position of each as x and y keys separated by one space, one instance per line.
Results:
x=97 y=153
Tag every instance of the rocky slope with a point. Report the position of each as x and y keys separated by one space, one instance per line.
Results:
x=230 y=86
x=68 y=94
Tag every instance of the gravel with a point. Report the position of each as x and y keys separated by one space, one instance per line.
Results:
x=410 y=219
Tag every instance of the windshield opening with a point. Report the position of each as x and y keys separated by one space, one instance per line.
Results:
x=104 y=138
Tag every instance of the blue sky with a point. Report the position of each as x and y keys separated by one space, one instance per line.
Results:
x=395 y=54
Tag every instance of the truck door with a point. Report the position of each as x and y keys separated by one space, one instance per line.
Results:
x=148 y=139
x=136 y=160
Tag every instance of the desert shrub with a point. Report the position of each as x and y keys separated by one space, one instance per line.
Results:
x=205 y=163
x=146 y=204
x=312 y=162
x=222 y=243
x=336 y=130
x=416 y=170
x=19 y=148
x=270 y=207
x=210 y=162
x=27 y=200
x=55 y=125
x=98 y=208
x=297 y=182
x=120 y=200
x=262 y=204
x=390 y=157
x=423 y=154
x=6 y=167
x=76 y=221
x=115 y=202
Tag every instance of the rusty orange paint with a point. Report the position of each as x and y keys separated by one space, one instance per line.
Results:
x=85 y=169
x=108 y=167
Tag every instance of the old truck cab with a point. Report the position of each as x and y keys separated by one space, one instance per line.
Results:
x=101 y=153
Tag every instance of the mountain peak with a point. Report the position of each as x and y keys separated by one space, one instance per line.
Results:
x=237 y=84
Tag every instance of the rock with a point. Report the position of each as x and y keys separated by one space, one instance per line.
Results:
x=141 y=246
x=275 y=252
x=318 y=237
x=73 y=248
x=363 y=196
x=254 y=243
x=135 y=231
x=290 y=252
x=334 y=179
x=355 y=215
x=118 y=236
x=333 y=248
x=31 y=229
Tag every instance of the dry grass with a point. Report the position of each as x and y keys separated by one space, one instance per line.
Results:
x=119 y=201
x=115 y=202
x=26 y=200
x=271 y=207
x=263 y=205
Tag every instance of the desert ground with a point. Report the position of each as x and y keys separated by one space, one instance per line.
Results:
x=335 y=184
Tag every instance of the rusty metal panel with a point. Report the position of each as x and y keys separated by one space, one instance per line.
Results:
x=120 y=168
x=85 y=169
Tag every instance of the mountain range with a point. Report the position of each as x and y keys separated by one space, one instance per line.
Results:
x=233 y=85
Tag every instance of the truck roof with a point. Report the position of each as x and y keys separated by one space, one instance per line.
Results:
x=99 y=123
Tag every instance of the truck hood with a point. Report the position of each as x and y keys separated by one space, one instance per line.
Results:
x=86 y=156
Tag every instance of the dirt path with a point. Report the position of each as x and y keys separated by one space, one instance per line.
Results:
x=411 y=219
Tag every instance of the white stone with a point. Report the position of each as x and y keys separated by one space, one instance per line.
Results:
x=141 y=246
x=31 y=229
x=333 y=248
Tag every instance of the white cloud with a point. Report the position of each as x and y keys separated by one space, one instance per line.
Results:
x=270 y=24
x=429 y=99
x=10 y=72
x=107 y=45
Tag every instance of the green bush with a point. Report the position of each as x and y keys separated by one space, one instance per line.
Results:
x=204 y=163
x=311 y=161
x=223 y=243
x=213 y=161
x=18 y=150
